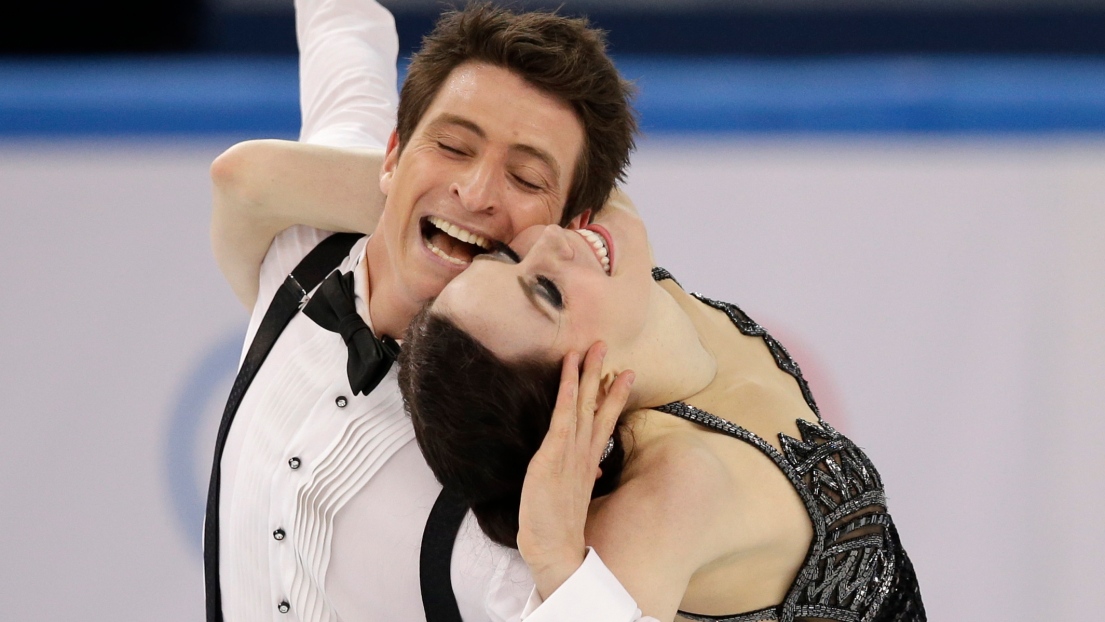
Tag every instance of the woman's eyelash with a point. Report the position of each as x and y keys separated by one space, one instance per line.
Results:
x=545 y=287
x=508 y=251
x=550 y=292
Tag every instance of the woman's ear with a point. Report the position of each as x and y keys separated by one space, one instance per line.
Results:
x=391 y=159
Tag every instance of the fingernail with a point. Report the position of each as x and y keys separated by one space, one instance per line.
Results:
x=630 y=378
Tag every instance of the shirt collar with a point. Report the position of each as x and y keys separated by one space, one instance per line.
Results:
x=360 y=287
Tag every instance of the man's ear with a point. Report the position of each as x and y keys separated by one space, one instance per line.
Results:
x=580 y=221
x=391 y=159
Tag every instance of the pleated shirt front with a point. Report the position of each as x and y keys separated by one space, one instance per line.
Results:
x=325 y=494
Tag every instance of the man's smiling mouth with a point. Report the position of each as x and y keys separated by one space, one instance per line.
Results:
x=453 y=244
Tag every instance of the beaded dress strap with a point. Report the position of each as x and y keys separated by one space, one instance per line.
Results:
x=849 y=568
x=782 y=357
x=660 y=274
x=767 y=614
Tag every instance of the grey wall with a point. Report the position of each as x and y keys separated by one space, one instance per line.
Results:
x=944 y=296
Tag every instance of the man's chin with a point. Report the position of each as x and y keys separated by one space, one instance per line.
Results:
x=431 y=279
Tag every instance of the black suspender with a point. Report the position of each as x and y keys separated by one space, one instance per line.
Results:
x=445 y=517
x=442 y=526
x=285 y=304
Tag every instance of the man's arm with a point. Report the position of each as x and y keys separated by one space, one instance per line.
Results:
x=348 y=96
x=347 y=75
x=591 y=594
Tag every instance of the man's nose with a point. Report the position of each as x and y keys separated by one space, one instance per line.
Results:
x=477 y=190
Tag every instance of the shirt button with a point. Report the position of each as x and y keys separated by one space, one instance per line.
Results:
x=278 y=534
x=283 y=607
x=294 y=463
x=341 y=401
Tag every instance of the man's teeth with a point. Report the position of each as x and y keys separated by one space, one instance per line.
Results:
x=440 y=253
x=460 y=234
x=599 y=244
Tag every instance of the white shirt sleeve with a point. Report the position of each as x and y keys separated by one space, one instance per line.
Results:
x=591 y=594
x=347 y=74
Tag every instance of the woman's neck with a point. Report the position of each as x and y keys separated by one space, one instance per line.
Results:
x=670 y=361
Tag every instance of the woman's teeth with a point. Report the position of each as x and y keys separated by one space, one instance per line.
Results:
x=460 y=234
x=599 y=245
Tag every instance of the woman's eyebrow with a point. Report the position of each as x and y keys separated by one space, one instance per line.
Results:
x=528 y=291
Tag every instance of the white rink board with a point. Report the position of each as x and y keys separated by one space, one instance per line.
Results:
x=944 y=295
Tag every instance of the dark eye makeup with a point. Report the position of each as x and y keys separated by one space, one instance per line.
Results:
x=543 y=286
x=548 y=290
x=507 y=251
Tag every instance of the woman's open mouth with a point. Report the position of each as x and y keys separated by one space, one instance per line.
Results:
x=599 y=239
x=451 y=243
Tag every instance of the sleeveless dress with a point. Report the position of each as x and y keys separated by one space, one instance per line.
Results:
x=856 y=569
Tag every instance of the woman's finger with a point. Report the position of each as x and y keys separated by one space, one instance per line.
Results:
x=589 y=384
x=609 y=412
x=562 y=426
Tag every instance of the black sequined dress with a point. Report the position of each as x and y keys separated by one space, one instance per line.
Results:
x=856 y=569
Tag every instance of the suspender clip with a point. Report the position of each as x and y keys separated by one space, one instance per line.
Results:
x=296 y=289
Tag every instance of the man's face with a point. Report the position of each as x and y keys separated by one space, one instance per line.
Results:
x=491 y=156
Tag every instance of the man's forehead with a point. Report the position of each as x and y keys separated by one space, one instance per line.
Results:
x=497 y=100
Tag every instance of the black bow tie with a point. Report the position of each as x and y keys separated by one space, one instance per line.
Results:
x=332 y=307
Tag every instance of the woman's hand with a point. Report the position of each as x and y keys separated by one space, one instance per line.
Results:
x=557 y=490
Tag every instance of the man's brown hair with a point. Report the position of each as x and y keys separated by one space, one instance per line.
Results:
x=564 y=57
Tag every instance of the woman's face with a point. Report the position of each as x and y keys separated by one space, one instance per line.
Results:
x=551 y=293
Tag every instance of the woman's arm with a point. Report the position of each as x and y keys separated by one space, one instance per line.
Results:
x=348 y=97
x=262 y=187
x=556 y=493
x=663 y=525
x=650 y=533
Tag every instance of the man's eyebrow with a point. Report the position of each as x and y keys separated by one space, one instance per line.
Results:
x=542 y=155
x=533 y=300
x=446 y=118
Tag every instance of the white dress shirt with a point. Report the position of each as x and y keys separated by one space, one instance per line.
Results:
x=338 y=475
x=324 y=493
x=342 y=479
x=591 y=594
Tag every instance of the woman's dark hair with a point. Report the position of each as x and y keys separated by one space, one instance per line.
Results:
x=479 y=420
x=562 y=56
